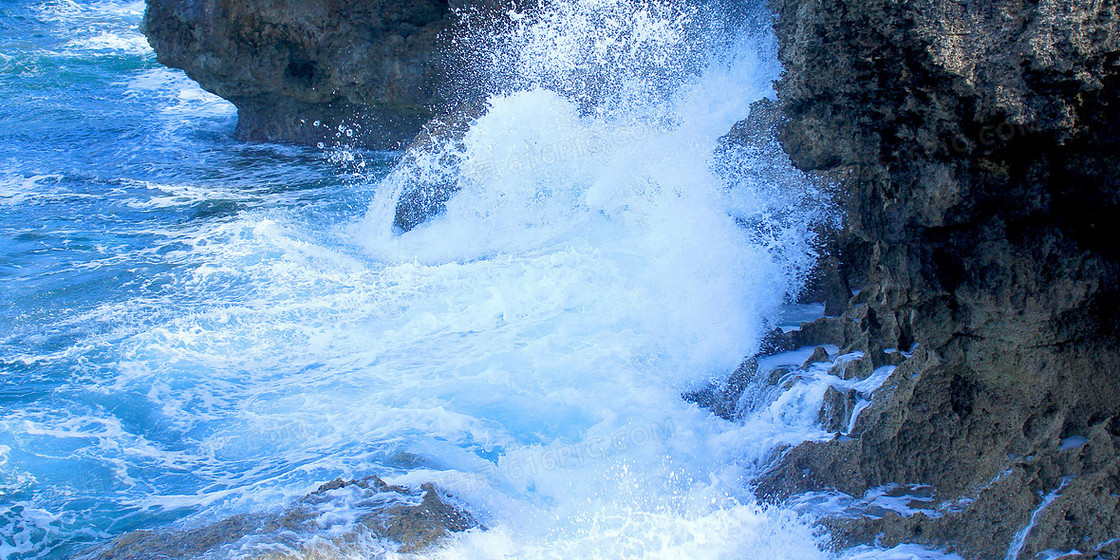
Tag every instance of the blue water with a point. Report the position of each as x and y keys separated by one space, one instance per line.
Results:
x=114 y=173
x=193 y=327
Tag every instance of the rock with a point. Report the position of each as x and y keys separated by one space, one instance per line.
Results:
x=367 y=73
x=723 y=398
x=756 y=156
x=749 y=154
x=778 y=341
x=826 y=330
x=837 y=409
x=430 y=168
x=420 y=527
x=976 y=144
x=828 y=283
x=382 y=511
x=857 y=368
x=819 y=355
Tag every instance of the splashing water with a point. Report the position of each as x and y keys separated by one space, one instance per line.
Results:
x=193 y=328
x=591 y=222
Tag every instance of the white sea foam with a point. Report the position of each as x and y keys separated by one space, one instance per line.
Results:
x=112 y=44
x=181 y=97
x=71 y=10
x=19 y=190
x=900 y=552
x=95 y=29
x=596 y=248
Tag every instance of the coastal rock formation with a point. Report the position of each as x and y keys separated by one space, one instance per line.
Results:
x=368 y=73
x=976 y=149
x=341 y=519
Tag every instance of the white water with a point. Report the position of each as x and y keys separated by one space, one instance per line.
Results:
x=1021 y=536
x=588 y=272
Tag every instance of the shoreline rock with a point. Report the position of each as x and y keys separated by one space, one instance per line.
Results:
x=977 y=146
x=386 y=517
x=368 y=73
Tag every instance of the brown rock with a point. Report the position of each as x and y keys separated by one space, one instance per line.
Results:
x=415 y=527
x=837 y=409
x=368 y=72
x=819 y=355
x=977 y=143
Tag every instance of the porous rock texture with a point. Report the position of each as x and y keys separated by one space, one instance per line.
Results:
x=365 y=72
x=385 y=518
x=975 y=145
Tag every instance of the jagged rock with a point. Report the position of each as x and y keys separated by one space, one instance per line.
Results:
x=828 y=282
x=837 y=409
x=750 y=153
x=977 y=144
x=777 y=341
x=826 y=330
x=989 y=512
x=382 y=512
x=723 y=398
x=858 y=368
x=819 y=355
x=367 y=72
x=430 y=167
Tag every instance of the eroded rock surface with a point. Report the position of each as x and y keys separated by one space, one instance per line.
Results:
x=342 y=519
x=368 y=72
x=977 y=145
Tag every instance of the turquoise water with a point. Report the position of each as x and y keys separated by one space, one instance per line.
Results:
x=193 y=327
x=115 y=175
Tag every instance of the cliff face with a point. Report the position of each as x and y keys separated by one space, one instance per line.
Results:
x=298 y=70
x=976 y=149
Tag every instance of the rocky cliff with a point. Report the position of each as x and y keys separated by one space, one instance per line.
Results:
x=369 y=73
x=976 y=149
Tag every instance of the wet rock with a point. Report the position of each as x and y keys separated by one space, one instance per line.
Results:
x=750 y=154
x=366 y=73
x=420 y=527
x=820 y=355
x=977 y=144
x=723 y=398
x=837 y=409
x=852 y=368
x=1072 y=519
x=429 y=170
x=828 y=283
x=383 y=515
x=778 y=341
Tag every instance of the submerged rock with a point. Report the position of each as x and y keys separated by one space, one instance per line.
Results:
x=977 y=144
x=342 y=518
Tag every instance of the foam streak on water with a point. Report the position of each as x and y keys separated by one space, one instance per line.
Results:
x=193 y=328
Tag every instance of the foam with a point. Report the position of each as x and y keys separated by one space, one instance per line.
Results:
x=181 y=97
x=112 y=44
x=900 y=552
